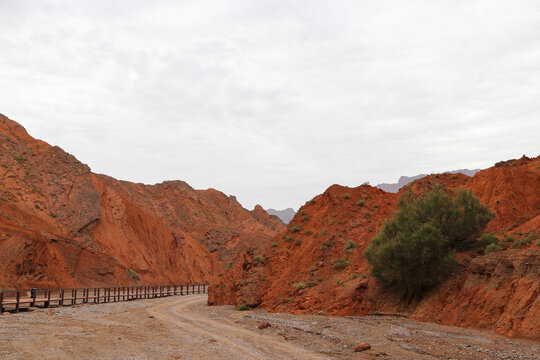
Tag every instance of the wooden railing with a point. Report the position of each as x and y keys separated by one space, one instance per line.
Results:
x=15 y=299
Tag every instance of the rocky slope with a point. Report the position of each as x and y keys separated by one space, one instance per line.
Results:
x=317 y=265
x=62 y=225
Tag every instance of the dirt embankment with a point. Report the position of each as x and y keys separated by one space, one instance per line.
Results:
x=62 y=225
x=317 y=266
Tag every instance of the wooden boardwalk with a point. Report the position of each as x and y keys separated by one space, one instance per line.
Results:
x=16 y=299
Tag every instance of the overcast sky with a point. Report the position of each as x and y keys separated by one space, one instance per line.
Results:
x=274 y=101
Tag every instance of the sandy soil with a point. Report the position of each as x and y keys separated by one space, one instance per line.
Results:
x=185 y=328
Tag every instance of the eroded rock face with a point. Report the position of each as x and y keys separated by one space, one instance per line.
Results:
x=497 y=291
x=62 y=225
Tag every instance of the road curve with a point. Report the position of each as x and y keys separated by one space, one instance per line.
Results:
x=235 y=342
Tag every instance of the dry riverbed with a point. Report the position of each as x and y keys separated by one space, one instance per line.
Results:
x=185 y=328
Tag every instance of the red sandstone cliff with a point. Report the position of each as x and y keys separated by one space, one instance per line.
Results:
x=498 y=291
x=62 y=225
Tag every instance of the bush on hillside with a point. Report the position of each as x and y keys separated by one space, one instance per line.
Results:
x=414 y=251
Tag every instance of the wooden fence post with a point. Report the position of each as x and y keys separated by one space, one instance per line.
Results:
x=34 y=296
x=1 y=302
x=18 y=299
x=61 y=301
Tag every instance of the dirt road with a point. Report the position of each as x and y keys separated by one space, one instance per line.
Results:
x=185 y=328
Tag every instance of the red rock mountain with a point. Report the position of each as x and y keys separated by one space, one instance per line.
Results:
x=62 y=225
x=499 y=290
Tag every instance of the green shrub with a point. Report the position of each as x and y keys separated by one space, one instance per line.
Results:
x=361 y=202
x=339 y=264
x=508 y=240
x=311 y=284
x=331 y=222
x=297 y=242
x=485 y=240
x=258 y=259
x=492 y=247
x=274 y=244
x=287 y=238
x=323 y=232
x=294 y=229
x=414 y=250
x=242 y=307
x=349 y=246
x=309 y=232
x=133 y=274
x=347 y=196
x=299 y=285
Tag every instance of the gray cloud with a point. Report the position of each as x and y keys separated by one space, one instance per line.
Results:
x=273 y=101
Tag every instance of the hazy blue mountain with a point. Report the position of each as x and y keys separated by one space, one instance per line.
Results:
x=404 y=180
x=284 y=215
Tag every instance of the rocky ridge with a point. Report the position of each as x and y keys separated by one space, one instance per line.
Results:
x=317 y=266
x=62 y=225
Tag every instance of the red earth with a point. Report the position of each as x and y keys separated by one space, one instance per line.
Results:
x=62 y=225
x=294 y=272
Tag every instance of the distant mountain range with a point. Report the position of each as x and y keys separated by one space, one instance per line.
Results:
x=284 y=215
x=404 y=180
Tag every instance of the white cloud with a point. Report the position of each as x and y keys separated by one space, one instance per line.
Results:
x=273 y=101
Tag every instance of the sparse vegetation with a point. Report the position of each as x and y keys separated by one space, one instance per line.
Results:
x=309 y=232
x=525 y=241
x=274 y=244
x=133 y=274
x=242 y=307
x=508 y=240
x=295 y=229
x=323 y=232
x=492 y=247
x=258 y=259
x=349 y=246
x=287 y=238
x=19 y=158
x=347 y=196
x=331 y=222
x=414 y=251
x=297 y=242
x=361 y=202
x=299 y=285
x=340 y=264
